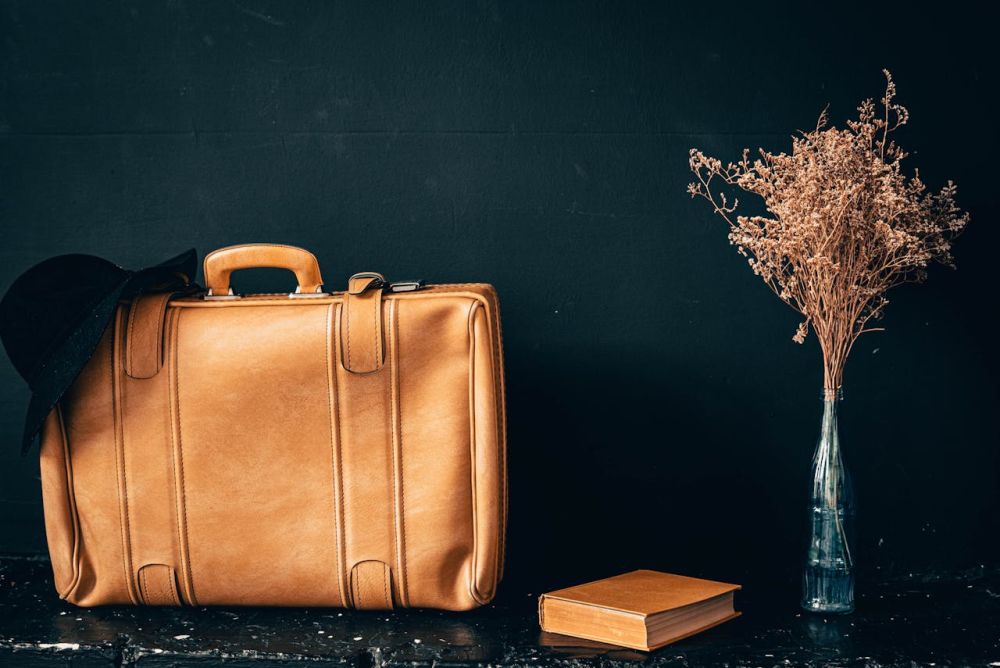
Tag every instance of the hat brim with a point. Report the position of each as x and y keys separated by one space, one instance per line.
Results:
x=36 y=301
x=55 y=374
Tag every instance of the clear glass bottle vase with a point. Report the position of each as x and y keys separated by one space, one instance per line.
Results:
x=828 y=574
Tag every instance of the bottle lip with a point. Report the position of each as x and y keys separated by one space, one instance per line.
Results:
x=829 y=394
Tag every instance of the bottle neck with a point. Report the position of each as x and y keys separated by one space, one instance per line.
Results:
x=829 y=439
x=832 y=395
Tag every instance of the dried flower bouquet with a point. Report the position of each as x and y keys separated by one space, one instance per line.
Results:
x=844 y=223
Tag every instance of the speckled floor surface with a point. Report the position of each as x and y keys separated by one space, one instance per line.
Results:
x=930 y=619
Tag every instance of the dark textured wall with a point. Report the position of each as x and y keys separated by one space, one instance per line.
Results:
x=659 y=413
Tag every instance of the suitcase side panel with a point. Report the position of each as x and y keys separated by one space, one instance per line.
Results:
x=435 y=469
x=487 y=456
x=255 y=453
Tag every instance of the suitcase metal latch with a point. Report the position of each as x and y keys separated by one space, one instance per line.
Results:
x=406 y=286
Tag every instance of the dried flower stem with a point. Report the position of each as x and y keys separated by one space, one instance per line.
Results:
x=845 y=224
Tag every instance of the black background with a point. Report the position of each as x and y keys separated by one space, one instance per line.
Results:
x=659 y=413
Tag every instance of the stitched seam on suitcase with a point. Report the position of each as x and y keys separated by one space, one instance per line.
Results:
x=391 y=424
x=501 y=418
x=334 y=451
x=473 y=584
x=376 y=314
x=71 y=504
x=120 y=375
x=173 y=589
x=348 y=334
x=169 y=318
x=385 y=586
x=501 y=434
x=279 y=299
x=161 y=308
x=171 y=498
x=341 y=525
x=399 y=477
x=175 y=437
x=144 y=587
x=121 y=483
x=497 y=446
x=128 y=334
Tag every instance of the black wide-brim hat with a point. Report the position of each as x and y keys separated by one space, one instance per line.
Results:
x=54 y=314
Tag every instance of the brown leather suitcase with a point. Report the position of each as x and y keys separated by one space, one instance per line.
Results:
x=308 y=449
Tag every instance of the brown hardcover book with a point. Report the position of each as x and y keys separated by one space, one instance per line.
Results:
x=642 y=609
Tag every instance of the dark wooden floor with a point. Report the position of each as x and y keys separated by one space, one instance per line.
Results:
x=929 y=619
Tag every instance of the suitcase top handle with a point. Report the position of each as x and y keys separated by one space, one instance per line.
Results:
x=220 y=264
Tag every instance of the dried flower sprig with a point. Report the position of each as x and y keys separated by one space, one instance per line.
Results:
x=844 y=224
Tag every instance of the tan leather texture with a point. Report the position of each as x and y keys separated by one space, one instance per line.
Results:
x=233 y=452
